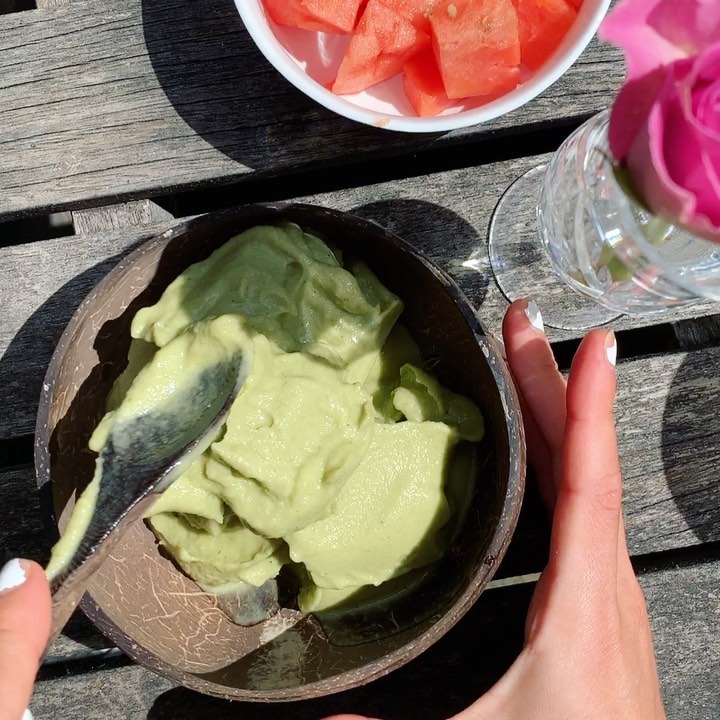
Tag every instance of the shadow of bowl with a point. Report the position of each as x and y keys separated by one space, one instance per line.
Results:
x=156 y=614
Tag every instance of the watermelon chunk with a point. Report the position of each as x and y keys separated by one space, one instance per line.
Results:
x=423 y=84
x=383 y=42
x=417 y=11
x=543 y=24
x=341 y=15
x=577 y=4
x=477 y=46
x=291 y=13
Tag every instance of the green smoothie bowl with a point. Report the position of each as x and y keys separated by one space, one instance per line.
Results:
x=366 y=483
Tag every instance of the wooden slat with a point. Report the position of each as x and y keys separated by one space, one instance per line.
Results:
x=684 y=607
x=444 y=214
x=118 y=217
x=102 y=100
x=669 y=438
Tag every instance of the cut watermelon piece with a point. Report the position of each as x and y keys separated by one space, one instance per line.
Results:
x=577 y=4
x=341 y=15
x=291 y=13
x=383 y=42
x=417 y=11
x=423 y=84
x=477 y=46
x=543 y=24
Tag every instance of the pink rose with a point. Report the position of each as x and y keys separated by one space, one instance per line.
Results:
x=665 y=123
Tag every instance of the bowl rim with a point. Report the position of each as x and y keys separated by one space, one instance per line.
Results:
x=257 y=25
x=498 y=543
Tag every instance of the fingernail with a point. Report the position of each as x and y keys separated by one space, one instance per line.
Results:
x=27 y=715
x=611 y=348
x=12 y=575
x=534 y=316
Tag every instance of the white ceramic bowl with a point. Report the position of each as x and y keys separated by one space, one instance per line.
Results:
x=309 y=60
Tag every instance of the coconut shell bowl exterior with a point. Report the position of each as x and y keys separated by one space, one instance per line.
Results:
x=159 y=617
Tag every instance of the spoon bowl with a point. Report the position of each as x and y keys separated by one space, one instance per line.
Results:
x=141 y=457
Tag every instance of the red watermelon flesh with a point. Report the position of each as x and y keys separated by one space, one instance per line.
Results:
x=383 y=42
x=543 y=24
x=477 y=46
x=291 y=13
x=577 y=4
x=341 y=15
x=423 y=84
x=417 y=11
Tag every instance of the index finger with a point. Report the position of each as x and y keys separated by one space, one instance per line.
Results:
x=586 y=526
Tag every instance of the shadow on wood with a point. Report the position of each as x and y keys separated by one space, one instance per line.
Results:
x=438 y=232
x=691 y=442
x=253 y=116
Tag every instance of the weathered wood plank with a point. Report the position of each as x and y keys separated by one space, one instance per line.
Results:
x=117 y=217
x=684 y=608
x=444 y=214
x=100 y=100
x=53 y=300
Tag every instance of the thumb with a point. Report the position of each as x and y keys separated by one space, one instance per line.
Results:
x=24 y=628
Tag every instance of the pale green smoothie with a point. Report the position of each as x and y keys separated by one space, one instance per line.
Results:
x=338 y=451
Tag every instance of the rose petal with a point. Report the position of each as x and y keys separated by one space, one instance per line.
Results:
x=631 y=109
x=654 y=33
x=690 y=25
x=664 y=136
x=627 y=27
x=702 y=87
x=688 y=158
x=705 y=83
x=706 y=108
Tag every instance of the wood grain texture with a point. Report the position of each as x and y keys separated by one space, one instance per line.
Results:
x=101 y=101
x=117 y=217
x=444 y=214
x=669 y=439
x=684 y=607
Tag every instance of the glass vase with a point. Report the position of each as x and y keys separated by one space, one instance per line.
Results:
x=594 y=237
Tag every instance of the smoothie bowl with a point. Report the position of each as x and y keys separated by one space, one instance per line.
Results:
x=367 y=481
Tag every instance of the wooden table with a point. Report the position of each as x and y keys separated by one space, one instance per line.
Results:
x=118 y=118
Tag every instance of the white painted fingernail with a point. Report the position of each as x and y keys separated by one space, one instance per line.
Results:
x=12 y=575
x=611 y=348
x=27 y=715
x=534 y=316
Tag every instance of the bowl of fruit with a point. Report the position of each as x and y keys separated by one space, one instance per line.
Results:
x=422 y=65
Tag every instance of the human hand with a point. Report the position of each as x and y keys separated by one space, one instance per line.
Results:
x=588 y=648
x=24 y=630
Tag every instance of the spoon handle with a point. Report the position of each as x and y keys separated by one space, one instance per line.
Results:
x=69 y=588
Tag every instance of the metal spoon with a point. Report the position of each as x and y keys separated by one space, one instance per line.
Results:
x=142 y=457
